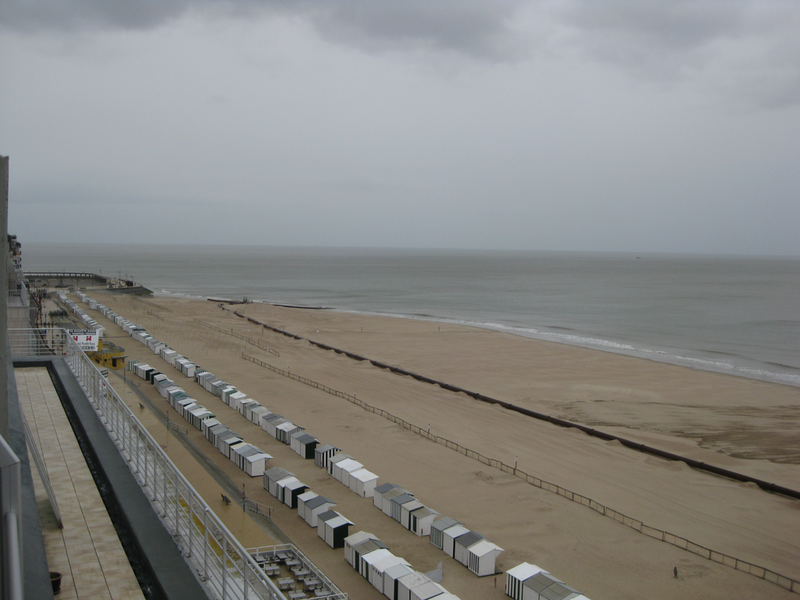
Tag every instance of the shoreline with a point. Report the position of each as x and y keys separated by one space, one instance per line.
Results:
x=589 y=552
x=791 y=379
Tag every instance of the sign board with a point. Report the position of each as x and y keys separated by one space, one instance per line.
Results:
x=85 y=338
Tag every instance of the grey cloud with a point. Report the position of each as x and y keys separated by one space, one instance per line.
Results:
x=471 y=27
x=744 y=48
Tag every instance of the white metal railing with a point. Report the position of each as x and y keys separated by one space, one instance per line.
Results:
x=223 y=564
x=11 y=569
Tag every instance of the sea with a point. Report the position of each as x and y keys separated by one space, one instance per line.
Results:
x=730 y=314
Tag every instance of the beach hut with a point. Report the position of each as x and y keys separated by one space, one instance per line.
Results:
x=217 y=387
x=343 y=468
x=516 y=576
x=225 y=441
x=378 y=568
x=225 y=394
x=354 y=540
x=270 y=422
x=482 y=556
x=258 y=413
x=234 y=398
x=322 y=455
x=183 y=405
x=280 y=486
x=437 y=529
x=334 y=530
x=334 y=460
x=379 y=491
x=449 y=536
x=406 y=509
x=363 y=482
x=544 y=586
x=461 y=543
x=388 y=496
x=272 y=476
x=250 y=459
x=304 y=444
x=390 y=577
x=369 y=559
x=364 y=548
x=291 y=491
x=421 y=520
x=197 y=414
x=213 y=430
x=207 y=424
x=417 y=586
x=397 y=505
x=163 y=385
x=301 y=502
x=284 y=431
x=315 y=507
x=322 y=518
x=243 y=404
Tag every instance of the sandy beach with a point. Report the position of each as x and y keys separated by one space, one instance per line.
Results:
x=739 y=424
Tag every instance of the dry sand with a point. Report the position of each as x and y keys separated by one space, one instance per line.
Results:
x=739 y=424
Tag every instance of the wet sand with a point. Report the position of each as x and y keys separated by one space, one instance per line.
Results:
x=738 y=424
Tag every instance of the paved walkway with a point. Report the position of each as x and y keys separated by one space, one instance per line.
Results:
x=87 y=550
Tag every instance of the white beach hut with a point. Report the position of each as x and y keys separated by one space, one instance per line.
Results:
x=449 y=536
x=406 y=509
x=359 y=551
x=378 y=567
x=303 y=444
x=363 y=482
x=388 y=496
x=233 y=399
x=482 y=556
x=517 y=575
x=417 y=586
x=291 y=491
x=334 y=530
x=544 y=586
x=343 y=468
x=280 y=486
x=270 y=423
x=271 y=478
x=379 y=491
x=397 y=505
x=352 y=541
x=322 y=455
x=242 y=405
x=225 y=441
x=334 y=460
x=258 y=413
x=315 y=507
x=251 y=459
x=301 y=502
x=197 y=414
x=213 y=430
x=207 y=424
x=370 y=558
x=284 y=431
x=462 y=543
x=421 y=520
x=390 y=577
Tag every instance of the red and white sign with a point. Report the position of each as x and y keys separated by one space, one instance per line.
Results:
x=85 y=338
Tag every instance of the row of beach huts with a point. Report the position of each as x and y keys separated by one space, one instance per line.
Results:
x=391 y=575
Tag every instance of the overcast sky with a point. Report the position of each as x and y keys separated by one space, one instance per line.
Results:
x=618 y=125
